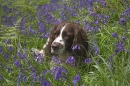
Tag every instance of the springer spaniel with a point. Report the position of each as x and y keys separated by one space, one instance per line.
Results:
x=66 y=39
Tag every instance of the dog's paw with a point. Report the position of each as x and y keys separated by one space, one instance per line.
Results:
x=38 y=54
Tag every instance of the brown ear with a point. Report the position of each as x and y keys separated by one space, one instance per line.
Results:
x=80 y=36
x=80 y=39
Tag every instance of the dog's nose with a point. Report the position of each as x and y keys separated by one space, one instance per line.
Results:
x=55 y=46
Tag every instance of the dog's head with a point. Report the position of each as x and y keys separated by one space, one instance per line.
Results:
x=64 y=36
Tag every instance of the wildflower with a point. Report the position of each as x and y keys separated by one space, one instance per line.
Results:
x=1 y=49
x=39 y=58
x=88 y=60
x=32 y=69
x=22 y=56
x=34 y=76
x=6 y=56
x=17 y=63
x=115 y=35
x=70 y=60
x=96 y=50
x=76 y=79
x=56 y=60
x=122 y=21
x=76 y=47
x=59 y=72
x=20 y=77
x=0 y=77
x=10 y=48
x=44 y=82
x=119 y=47
x=123 y=38
x=25 y=78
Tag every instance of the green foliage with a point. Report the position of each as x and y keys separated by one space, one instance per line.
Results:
x=101 y=72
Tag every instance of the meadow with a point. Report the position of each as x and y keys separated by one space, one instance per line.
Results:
x=25 y=24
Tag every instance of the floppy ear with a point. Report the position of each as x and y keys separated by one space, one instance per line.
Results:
x=80 y=39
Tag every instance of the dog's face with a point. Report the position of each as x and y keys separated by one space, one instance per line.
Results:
x=65 y=35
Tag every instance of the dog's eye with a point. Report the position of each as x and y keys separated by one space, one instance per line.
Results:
x=66 y=35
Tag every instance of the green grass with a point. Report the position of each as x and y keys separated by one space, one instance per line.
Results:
x=96 y=73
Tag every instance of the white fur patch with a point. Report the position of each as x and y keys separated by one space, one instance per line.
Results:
x=59 y=39
x=46 y=43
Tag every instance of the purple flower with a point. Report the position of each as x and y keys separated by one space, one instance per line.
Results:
x=17 y=63
x=6 y=56
x=44 y=82
x=76 y=79
x=32 y=69
x=115 y=35
x=34 y=76
x=119 y=47
x=0 y=77
x=70 y=60
x=96 y=50
x=59 y=72
x=88 y=60
x=56 y=60
x=20 y=76
x=76 y=47
x=21 y=55
x=39 y=58
x=10 y=48
x=123 y=38
x=1 y=49
x=122 y=21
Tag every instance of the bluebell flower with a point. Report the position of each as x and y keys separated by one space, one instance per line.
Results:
x=123 y=38
x=59 y=72
x=76 y=47
x=76 y=79
x=21 y=55
x=39 y=58
x=17 y=63
x=44 y=82
x=1 y=49
x=32 y=69
x=0 y=77
x=20 y=77
x=122 y=21
x=115 y=35
x=96 y=50
x=25 y=79
x=44 y=72
x=10 y=48
x=71 y=60
x=88 y=60
x=34 y=76
x=5 y=56
x=56 y=60
x=119 y=47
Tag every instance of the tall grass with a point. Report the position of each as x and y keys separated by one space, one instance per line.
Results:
x=26 y=24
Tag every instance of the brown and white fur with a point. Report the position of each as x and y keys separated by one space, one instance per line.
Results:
x=63 y=37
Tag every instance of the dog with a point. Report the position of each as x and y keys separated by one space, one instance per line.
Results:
x=66 y=39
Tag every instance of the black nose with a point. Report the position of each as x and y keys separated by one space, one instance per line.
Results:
x=55 y=46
